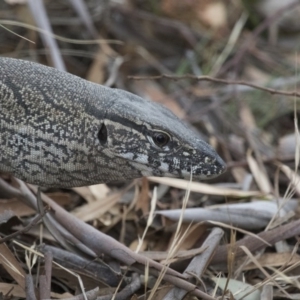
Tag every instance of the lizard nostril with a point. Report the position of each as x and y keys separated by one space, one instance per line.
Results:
x=208 y=160
x=102 y=134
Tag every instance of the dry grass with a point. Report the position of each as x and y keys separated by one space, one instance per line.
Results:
x=231 y=85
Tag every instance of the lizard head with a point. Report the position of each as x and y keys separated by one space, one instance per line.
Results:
x=155 y=142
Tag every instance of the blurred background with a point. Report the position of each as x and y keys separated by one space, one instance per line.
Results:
x=250 y=113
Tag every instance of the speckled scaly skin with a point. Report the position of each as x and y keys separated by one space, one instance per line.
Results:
x=59 y=130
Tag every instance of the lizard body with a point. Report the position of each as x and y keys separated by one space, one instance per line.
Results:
x=57 y=129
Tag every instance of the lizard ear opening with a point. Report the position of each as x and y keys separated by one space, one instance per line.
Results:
x=102 y=134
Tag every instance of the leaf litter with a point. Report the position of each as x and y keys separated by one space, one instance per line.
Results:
x=236 y=236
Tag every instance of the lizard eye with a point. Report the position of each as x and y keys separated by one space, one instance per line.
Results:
x=161 y=139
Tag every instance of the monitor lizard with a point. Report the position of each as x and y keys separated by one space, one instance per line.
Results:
x=59 y=130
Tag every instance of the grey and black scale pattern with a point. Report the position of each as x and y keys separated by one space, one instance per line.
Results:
x=57 y=129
